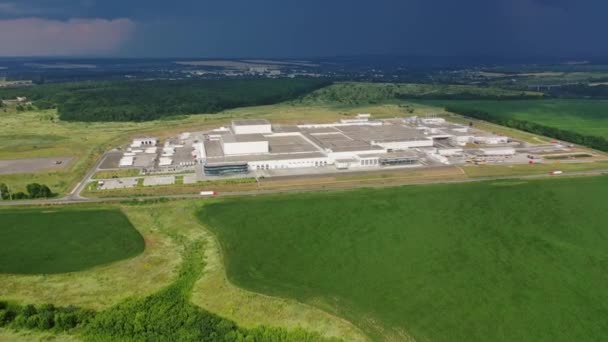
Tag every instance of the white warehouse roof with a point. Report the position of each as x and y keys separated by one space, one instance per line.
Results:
x=126 y=161
x=250 y=122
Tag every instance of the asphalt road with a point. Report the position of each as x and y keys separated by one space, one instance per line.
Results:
x=75 y=198
x=75 y=194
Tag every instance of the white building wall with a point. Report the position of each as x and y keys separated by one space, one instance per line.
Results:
x=289 y=163
x=492 y=140
x=199 y=152
x=363 y=123
x=498 y=151
x=252 y=129
x=463 y=129
x=144 y=142
x=435 y=121
x=352 y=155
x=462 y=139
x=367 y=162
x=253 y=147
x=402 y=145
x=450 y=151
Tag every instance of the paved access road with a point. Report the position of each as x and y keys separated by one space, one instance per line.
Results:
x=75 y=194
x=75 y=198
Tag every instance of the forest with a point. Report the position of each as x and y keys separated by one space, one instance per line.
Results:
x=156 y=99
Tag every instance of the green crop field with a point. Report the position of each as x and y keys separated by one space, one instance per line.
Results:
x=60 y=240
x=588 y=117
x=491 y=261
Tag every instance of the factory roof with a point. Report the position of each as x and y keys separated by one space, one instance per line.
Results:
x=289 y=144
x=359 y=148
x=237 y=138
x=382 y=133
x=213 y=148
x=460 y=134
x=285 y=129
x=250 y=122
x=314 y=130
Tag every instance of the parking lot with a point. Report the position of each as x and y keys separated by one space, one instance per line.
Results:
x=190 y=179
x=159 y=180
x=118 y=183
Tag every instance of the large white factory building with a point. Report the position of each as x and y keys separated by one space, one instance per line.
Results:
x=258 y=145
x=249 y=145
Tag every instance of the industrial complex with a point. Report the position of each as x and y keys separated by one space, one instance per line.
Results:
x=259 y=148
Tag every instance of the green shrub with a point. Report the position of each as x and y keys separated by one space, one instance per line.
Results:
x=6 y=316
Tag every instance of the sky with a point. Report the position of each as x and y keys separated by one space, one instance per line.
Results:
x=303 y=28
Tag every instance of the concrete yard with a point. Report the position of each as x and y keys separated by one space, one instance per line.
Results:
x=159 y=180
x=111 y=161
x=31 y=165
x=190 y=179
x=144 y=160
x=119 y=183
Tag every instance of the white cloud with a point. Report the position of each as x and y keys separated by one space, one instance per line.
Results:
x=46 y=37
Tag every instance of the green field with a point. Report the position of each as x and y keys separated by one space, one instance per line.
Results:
x=48 y=241
x=588 y=117
x=170 y=292
x=492 y=261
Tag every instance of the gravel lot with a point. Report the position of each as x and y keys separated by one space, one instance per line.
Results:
x=32 y=165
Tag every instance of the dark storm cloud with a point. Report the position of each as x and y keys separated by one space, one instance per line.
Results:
x=337 y=27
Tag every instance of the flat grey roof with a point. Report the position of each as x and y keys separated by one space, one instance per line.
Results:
x=458 y=134
x=243 y=137
x=358 y=148
x=213 y=148
x=382 y=133
x=319 y=130
x=285 y=128
x=340 y=142
x=250 y=122
x=289 y=144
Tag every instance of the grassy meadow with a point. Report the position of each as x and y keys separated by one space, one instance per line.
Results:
x=506 y=260
x=48 y=241
x=589 y=117
x=174 y=240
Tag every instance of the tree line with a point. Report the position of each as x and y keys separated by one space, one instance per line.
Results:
x=167 y=315
x=598 y=143
x=45 y=317
x=580 y=91
x=150 y=100
x=470 y=96
x=33 y=191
